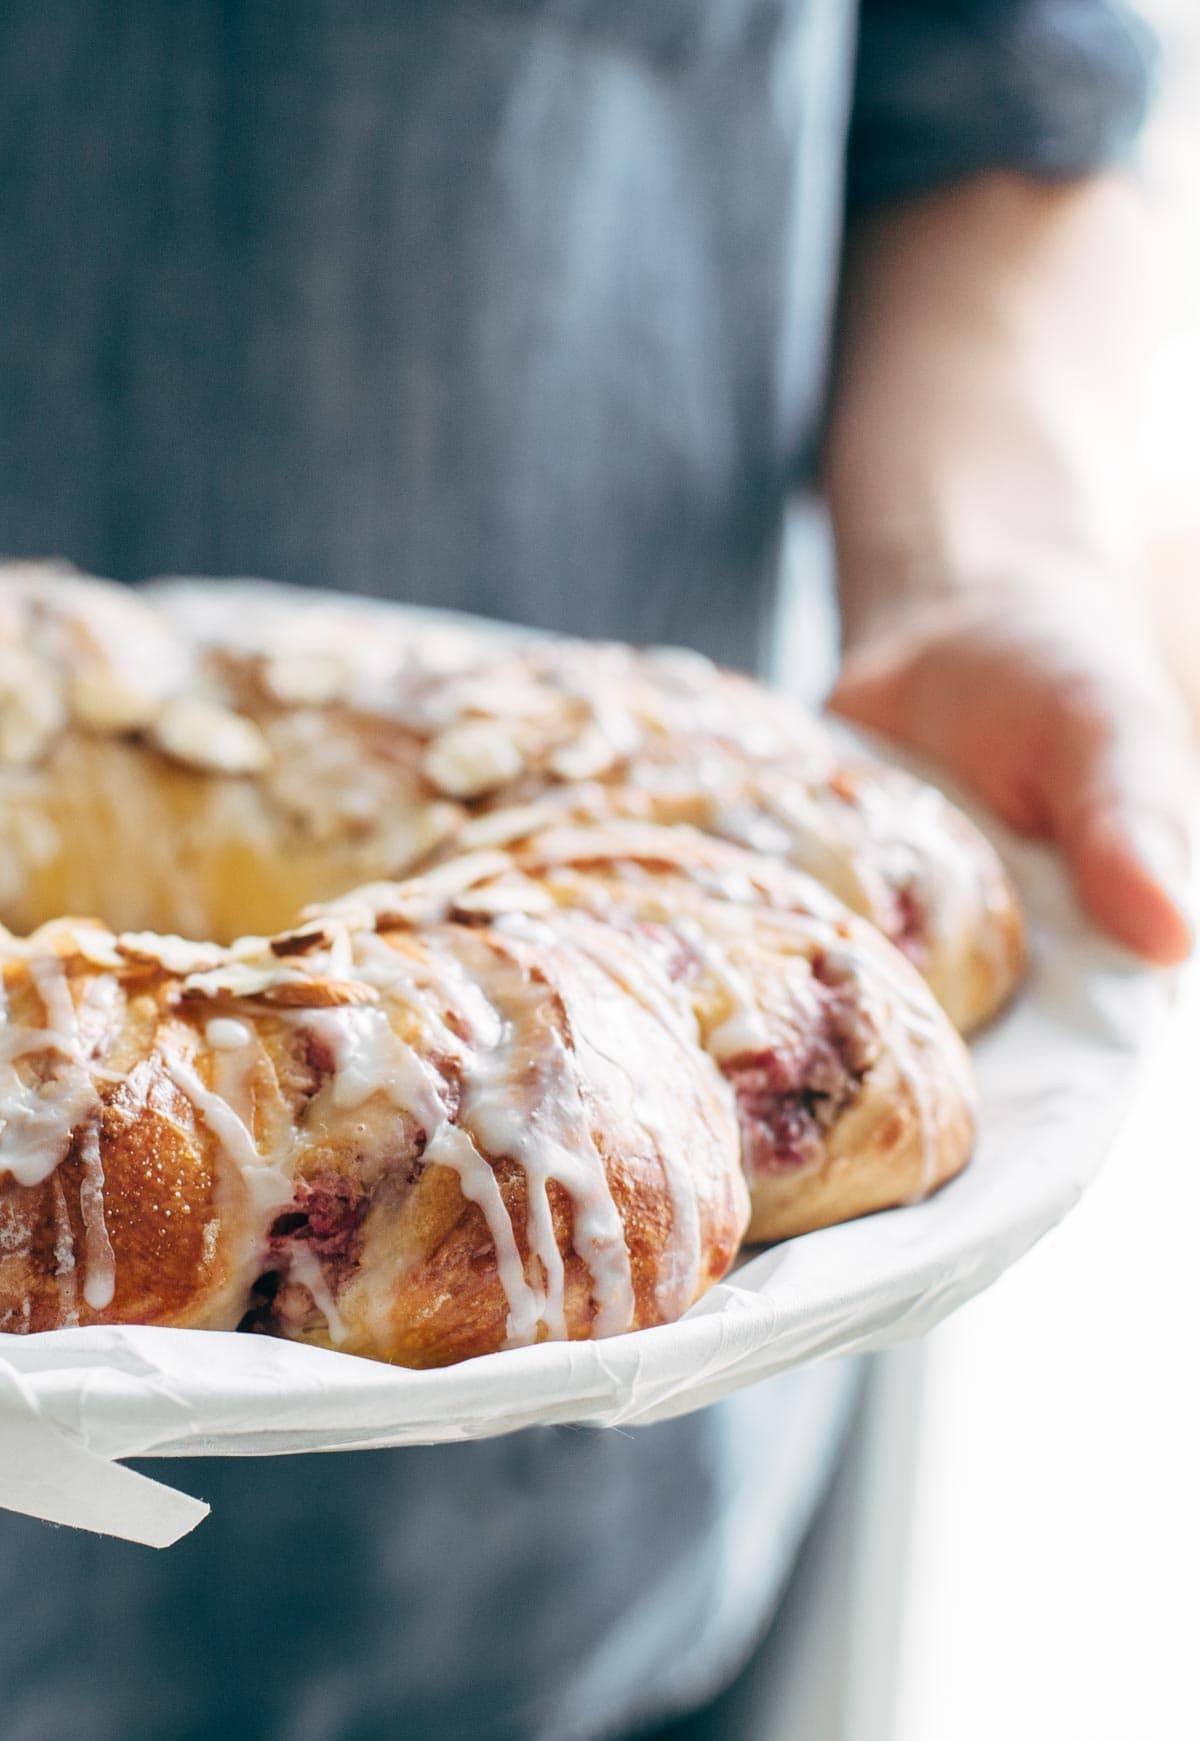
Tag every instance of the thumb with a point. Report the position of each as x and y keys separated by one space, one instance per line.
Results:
x=1131 y=868
x=872 y=690
x=1117 y=791
x=1094 y=758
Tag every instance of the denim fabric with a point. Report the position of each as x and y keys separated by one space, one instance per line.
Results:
x=518 y=306
x=552 y=1586
x=944 y=88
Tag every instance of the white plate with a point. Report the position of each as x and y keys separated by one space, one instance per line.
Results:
x=1057 y=1074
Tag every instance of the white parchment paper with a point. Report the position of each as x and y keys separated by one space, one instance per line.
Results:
x=1057 y=1074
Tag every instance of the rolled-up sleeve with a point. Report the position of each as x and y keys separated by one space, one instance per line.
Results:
x=947 y=88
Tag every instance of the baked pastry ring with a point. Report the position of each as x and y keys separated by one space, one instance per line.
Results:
x=499 y=1101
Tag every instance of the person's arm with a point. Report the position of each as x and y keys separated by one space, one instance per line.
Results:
x=981 y=487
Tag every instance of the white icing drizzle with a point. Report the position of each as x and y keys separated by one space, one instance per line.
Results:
x=38 y=1120
x=339 y=961
x=910 y=834
x=453 y=1147
x=740 y=1033
x=100 y=1271
x=679 y=1273
x=304 y=1266
x=369 y=1059
x=217 y=1114
x=745 y=1028
x=268 y=1185
x=225 y=1035
x=518 y=1100
x=235 y=1052
x=823 y=837
x=50 y=977
x=551 y=1139
x=505 y=1128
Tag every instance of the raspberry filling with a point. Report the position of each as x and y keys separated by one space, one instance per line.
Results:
x=324 y=1222
x=314 y=1246
x=790 y=1097
x=911 y=929
x=327 y=1216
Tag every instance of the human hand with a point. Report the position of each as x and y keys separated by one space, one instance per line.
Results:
x=1062 y=722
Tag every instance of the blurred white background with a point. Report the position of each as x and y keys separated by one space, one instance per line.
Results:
x=1054 y=1582
x=1053 y=1588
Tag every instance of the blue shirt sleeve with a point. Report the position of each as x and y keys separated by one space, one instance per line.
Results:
x=948 y=88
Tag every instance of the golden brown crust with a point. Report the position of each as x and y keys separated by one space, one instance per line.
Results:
x=126 y=1212
x=896 y=1145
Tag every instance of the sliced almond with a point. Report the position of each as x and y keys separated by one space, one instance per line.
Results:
x=510 y=693
x=177 y=955
x=103 y=702
x=231 y=980
x=504 y=897
x=250 y=949
x=204 y=735
x=590 y=754
x=305 y=679
x=514 y=822
x=472 y=758
x=300 y=942
x=319 y=994
x=411 y=834
x=395 y=906
x=680 y=668
x=281 y=987
x=349 y=912
x=97 y=946
x=31 y=708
